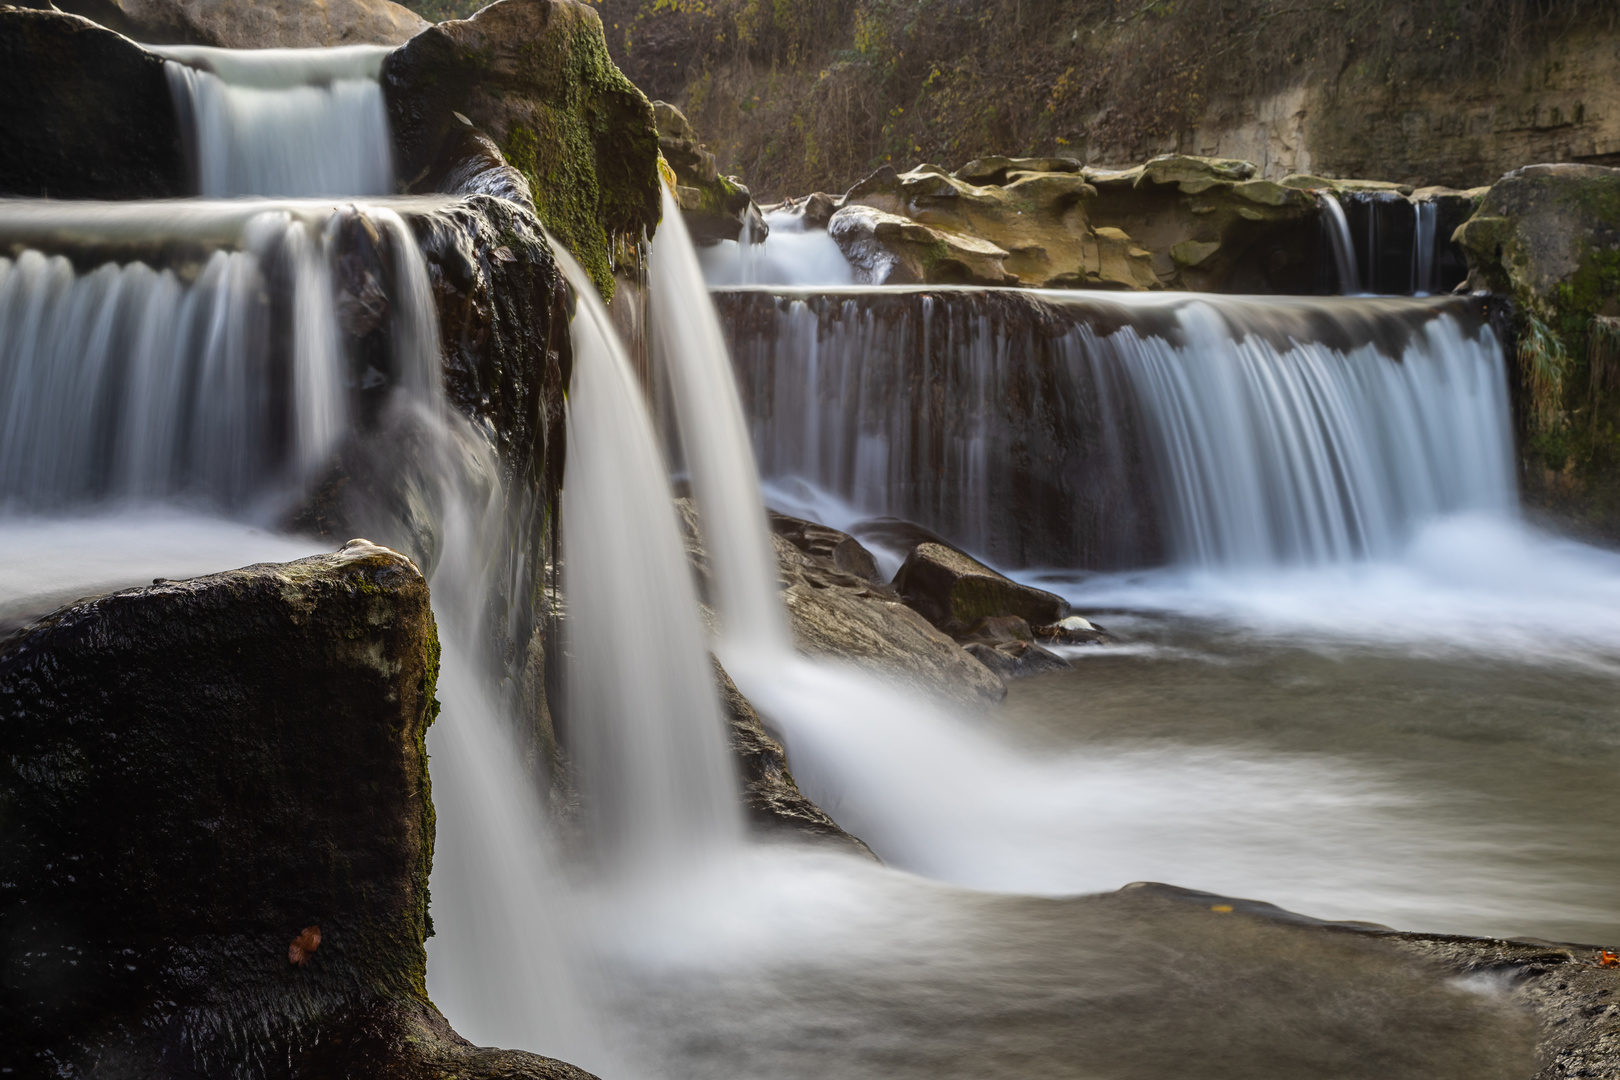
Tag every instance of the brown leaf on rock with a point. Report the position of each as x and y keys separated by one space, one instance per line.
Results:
x=303 y=945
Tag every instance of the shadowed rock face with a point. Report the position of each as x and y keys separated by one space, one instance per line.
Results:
x=87 y=113
x=199 y=776
x=535 y=75
x=255 y=24
x=1548 y=236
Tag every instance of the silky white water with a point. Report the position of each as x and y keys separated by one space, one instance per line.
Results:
x=790 y=254
x=283 y=121
x=1344 y=249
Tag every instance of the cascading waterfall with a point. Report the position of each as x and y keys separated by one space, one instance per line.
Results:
x=658 y=780
x=283 y=121
x=124 y=381
x=1070 y=430
x=1344 y=249
x=1423 y=247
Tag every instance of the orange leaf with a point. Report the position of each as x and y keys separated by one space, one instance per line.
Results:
x=304 y=944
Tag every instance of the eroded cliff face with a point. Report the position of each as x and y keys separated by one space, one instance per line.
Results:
x=800 y=96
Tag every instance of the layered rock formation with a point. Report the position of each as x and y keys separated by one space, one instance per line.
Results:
x=210 y=866
x=715 y=207
x=535 y=76
x=237 y=24
x=1548 y=236
x=1180 y=222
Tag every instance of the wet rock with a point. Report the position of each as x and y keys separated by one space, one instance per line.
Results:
x=535 y=75
x=775 y=804
x=1548 y=237
x=715 y=207
x=1006 y=645
x=841 y=549
x=888 y=249
x=198 y=776
x=1074 y=630
x=955 y=591
x=255 y=24
x=87 y=113
x=837 y=614
x=1016 y=660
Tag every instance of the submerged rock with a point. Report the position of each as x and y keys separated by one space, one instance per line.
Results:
x=535 y=75
x=255 y=24
x=715 y=207
x=87 y=113
x=219 y=828
x=955 y=591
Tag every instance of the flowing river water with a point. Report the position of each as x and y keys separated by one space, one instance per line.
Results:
x=1348 y=680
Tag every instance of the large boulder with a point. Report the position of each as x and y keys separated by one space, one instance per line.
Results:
x=535 y=76
x=714 y=207
x=87 y=113
x=1548 y=236
x=956 y=592
x=255 y=24
x=218 y=828
x=890 y=249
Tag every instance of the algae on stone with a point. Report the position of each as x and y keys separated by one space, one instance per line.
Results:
x=536 y=76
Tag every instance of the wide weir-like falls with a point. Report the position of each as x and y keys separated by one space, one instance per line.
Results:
x=1339 y=670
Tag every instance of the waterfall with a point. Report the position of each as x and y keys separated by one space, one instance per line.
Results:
x=642 y=710
x=1069 y=429
x=714 y=433
x=1423 y=247
x=1344 y=249
x=283 y=121
x=125 y=381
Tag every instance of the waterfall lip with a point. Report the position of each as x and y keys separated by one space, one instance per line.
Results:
x=1344 y=323
x=56 y=225
x=280 y=69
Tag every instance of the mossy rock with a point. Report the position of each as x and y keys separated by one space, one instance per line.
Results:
x=1548 y=236
x=956 y=592
x=714 y=207
x=87 y=113
x=535 y=75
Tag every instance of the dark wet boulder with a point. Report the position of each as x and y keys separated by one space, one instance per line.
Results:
x=714 y=207
x=1006 y=645
x=954 y=591
x=536 y=76
x=86 y=113
x=255 y=24
x=218 y=827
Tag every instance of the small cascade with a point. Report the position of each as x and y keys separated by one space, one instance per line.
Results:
x=294 y=122
x=1423 y=247
x=125 y=381
x=1067 y=429
x=643 y=717
x=691 y=349
x=790 y=254
x=1344 y=249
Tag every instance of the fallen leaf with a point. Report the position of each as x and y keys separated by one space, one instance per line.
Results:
x=303 y=945
x=1608 y=959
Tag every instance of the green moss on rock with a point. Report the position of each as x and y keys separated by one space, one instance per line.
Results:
x=535 y=75
x=1548 y=236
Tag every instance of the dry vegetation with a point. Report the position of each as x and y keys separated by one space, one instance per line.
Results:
x=798 y=95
